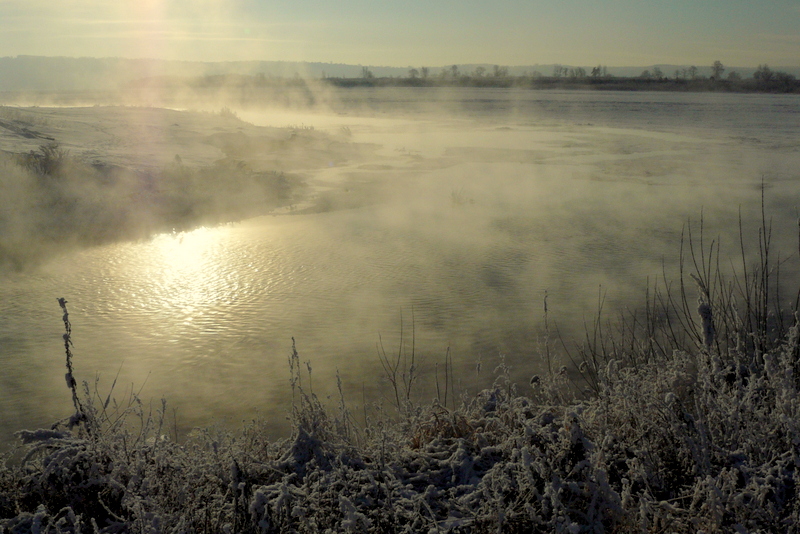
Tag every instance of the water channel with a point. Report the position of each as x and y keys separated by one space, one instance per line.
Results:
x=475 y=206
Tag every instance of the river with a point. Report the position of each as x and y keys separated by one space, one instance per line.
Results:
x=478 y=204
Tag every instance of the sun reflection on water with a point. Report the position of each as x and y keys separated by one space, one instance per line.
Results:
x=187 y=266
x=186 y=250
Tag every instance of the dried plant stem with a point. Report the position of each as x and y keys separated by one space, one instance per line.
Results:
x=72 y=384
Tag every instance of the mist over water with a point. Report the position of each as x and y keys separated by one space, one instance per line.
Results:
x=474 y=206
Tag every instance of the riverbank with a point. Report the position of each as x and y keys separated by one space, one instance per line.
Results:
x=86 y=176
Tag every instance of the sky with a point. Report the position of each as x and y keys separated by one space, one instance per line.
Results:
x=410 y=32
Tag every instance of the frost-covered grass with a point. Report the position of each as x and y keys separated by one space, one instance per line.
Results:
x=694 y=429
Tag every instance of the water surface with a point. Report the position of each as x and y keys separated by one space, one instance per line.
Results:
x=459 y=227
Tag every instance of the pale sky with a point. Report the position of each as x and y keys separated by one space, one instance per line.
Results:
x=410 y=32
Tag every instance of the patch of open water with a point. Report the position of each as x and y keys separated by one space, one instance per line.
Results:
x=455 y=233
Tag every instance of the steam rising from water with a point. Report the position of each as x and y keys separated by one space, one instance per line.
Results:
x=463 y=221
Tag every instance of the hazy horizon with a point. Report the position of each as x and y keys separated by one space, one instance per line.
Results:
x=32 y=74
x=577 y=32
x=405 y=67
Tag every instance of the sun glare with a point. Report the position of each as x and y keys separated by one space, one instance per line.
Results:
x=184 y=270
x=186 y=253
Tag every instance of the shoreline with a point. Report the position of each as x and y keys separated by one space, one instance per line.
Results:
x=133 y=172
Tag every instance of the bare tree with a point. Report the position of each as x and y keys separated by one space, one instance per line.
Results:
x=692 y=71
x=479 y=72
x=763 y=73
x=366 y=73
x=424 y=71
x=500 y=72
x=413 y=73
x=454 y=71
x=717 y=69
x=658 y=74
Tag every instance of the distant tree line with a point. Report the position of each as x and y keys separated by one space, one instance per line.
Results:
x=252 y=87
x=689 y=78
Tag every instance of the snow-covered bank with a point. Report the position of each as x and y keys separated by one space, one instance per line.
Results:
x=99 y=174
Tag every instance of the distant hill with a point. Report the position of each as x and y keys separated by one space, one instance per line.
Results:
x=38 y=73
